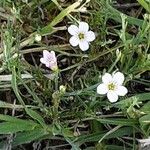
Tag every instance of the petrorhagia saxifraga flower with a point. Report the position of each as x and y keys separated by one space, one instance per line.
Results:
x=112 y=86
x=81 y=35
x=49 y=59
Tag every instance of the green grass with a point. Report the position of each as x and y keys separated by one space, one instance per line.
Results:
x=35 y=111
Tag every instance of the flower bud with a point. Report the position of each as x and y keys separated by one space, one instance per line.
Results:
x=38 y=37
x=62 y=89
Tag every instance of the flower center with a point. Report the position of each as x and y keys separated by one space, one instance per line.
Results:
x=81 y=36
x=111 y=86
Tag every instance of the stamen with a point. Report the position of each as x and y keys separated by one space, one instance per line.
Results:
x=81 y=36
x=111 y=86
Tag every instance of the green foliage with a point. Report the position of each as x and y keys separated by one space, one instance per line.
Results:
x=145 y=4
x=28 y=136
x=35 y=108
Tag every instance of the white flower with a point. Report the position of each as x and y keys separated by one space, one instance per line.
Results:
x=49 y=59
x=81 y=35
x=112 y=86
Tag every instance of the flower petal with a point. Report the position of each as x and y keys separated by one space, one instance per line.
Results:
x=90 y=36
x=49 y=56
x=53 y=56
x=83 y=27
x=118 y=78
x=49 y=59
x=74 y=41
x=46 y=54
x=102 y=89
x=84 y=45
x=42 y=60
x=73 y=30
x=47 y=64
x=121 y=91
x=107 y=78
x=112 y=96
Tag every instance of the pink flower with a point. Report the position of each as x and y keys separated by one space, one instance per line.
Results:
x=49 y=59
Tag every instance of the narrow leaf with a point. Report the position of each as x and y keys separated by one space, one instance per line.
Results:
x=35 y=116
x=96 y=136
x=49 y=28
x=118 y=121
x=16 y=120
x=12 y=127
x=29 y=136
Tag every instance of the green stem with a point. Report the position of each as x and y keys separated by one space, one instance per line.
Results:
x=145 y=5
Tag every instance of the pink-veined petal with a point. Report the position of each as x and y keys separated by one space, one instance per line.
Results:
x=83 y=27
x=118 y=78
x=42 y=60
x=84 y=45
x=47 y=64
x=53 y=56
x=49 y=56
x=90 y=36
x=102 y=89
x=107 y=78
x=73 y=30
x=74 y=41
x=46 y=54
x=112 y=96
x=121 y=91
x=49 y=59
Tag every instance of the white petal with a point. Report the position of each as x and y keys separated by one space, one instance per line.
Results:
x=84 y=45
x=46 y=63
x=53 y=56
x=49 y=56
x=53 y=53
x=74 y=41
x=118 y=77
x=90 y=36
x=121 y=91
x=83 y=27
x=112 y=96
x=46 y=54
x=73 y=30
x=42 y=60
x=102 y=89
x=107 y=78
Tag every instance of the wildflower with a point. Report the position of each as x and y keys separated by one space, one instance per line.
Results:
x=112 y=86
x=49 y=59
x=81 y=35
